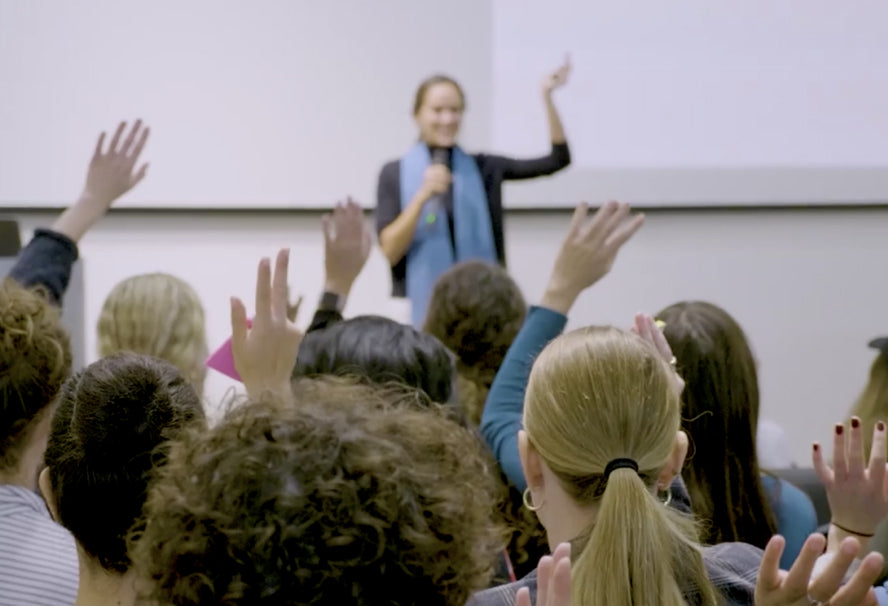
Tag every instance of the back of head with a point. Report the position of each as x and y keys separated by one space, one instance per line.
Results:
x=721 y=400
x=35 y=358
x=872 y=404
x=596 y=395
x=110 y=430
x=158 y=315
x=476 y=310
x=379 y=350
x=322 y=503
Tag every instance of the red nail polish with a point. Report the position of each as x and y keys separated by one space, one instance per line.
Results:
x=839 y=430
x=816 y=447
x=855 y=422
x=880 y=426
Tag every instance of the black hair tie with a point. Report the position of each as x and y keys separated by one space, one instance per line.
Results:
x=620 y=464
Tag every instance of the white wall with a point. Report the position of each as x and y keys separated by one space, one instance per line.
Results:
x=808 y=285
x=288 y=103
x=278 y=103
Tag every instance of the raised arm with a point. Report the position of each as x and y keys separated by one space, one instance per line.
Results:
x=586 y=256
x=559 y=156
x=552 y=82
x=347 y=243
x=48 y=258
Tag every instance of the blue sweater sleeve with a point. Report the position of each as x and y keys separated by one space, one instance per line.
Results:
x=46 y=262
x=501 y=419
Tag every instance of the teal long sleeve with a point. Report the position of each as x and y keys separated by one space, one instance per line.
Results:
x=501 y=419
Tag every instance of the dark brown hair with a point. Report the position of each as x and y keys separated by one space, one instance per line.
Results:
x=721 y=410
x=425 y=85
x=380 y=350
x=109 y=432
x=35 y=358
x=476 y=310
x=322 y=502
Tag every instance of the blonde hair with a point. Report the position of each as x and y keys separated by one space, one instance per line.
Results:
x=158 y=315
x=595 y=395
x=872 y=404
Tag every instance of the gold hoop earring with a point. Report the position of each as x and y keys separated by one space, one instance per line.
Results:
x=526 y=499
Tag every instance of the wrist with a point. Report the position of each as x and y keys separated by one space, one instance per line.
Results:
x=559 y=298
x=93 y=202
x=337 y=286
x=838 y=533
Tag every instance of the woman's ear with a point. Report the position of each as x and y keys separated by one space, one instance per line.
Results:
x=45 y=485
x=530 y=461
x=675 y=462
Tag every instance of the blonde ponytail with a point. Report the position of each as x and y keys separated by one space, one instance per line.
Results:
x=597 y=395
x=638 y=552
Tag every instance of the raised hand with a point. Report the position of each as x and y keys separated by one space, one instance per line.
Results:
x=347 y=244
x=857 y=491
x=775 y=587
x=557 y=78
x=588 y=252
x=553 y=580
x=265 y=352
x=111 y=173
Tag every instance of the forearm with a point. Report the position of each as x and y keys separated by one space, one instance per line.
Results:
x=396 y=237
x=556 y=128
x=78 y=218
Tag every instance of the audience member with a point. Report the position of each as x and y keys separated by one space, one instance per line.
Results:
x=109 y=433
x=728 y=491
x=314 y=502
x=157 y=315
x=476 y=310
x=872 y=404
x=38 y=558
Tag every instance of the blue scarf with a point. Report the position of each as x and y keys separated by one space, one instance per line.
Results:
x=431 y=253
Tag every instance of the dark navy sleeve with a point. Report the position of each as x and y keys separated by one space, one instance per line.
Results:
x=530 y=168
x=46 y=262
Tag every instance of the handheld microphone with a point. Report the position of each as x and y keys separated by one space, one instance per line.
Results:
x=440 y=155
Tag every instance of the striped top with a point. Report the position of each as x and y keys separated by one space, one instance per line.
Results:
x=38 y=558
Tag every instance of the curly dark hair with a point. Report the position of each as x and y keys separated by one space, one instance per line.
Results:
x=110 y=431
x=476 y=310
x=35 y=358
x=316 y=503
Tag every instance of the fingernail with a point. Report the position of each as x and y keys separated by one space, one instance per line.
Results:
x=816 y=446
x=839 y=429
x=880 y=426
x=855 y=422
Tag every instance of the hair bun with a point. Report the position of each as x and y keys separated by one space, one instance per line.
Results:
x=123 y=404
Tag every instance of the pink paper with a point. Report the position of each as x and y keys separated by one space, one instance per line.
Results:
x=222 y=359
